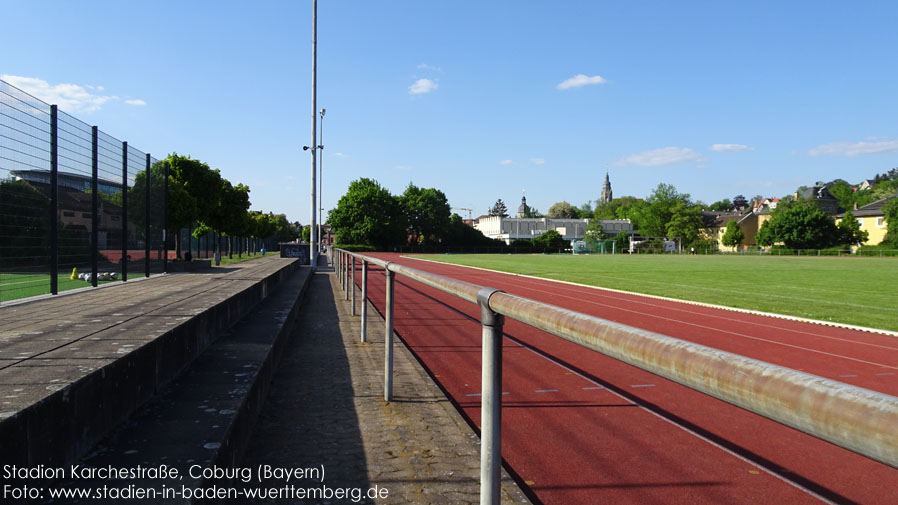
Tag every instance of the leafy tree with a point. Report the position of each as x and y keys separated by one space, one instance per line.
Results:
x=586 y=209
x=617 y=208
x=24 y=223
x=739 y=202
x=285 y=231
x=533 y=213
x=560 y=210
x=306 y=233
x=734 y=236
x=843 y=192
x=765 y=237
x=229 y=216
x=459 y=234
x=802 y=225
x=685 y=222
x=499 y=209
x=653 y=216
x=594 y=231
x=368 y=215
x=721 y=205
x=201 y=182
x=850 y=232
x=550 y=240
x=426 y=211
x=890 y=209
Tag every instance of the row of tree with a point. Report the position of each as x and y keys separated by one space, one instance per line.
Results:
x=368 y=214
x=200 y=196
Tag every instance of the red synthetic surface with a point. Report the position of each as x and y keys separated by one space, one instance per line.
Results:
x=580 y=428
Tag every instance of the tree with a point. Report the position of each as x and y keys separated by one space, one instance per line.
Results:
x=765 y=237
x=739 y=202
x=617 y=208
x=734 y=236
x=890 y=210
x=721 y=205
x=560 y=210
x=426 y=211
x=459 y=234
x=499 y=209
x=651 y=217
x=802 y=225
x=685 y=223
x=24 y=224
x=594 y=231
x=850 y=232
x=368 y=215
x=550 y=240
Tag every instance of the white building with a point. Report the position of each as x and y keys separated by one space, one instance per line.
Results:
x=510 y=229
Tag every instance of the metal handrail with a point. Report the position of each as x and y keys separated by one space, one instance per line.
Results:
x=860 y=420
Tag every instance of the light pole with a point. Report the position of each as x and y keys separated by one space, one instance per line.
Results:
x=321 y=181
x=313 y=238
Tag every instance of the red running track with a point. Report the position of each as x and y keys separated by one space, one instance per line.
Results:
x=581 y=428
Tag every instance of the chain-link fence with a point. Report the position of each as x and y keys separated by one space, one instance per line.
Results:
x=78 y=207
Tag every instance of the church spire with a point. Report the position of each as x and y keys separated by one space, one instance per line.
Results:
x=606 y=189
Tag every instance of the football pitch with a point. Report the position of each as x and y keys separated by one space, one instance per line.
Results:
x=15 y=286
x=852 y=290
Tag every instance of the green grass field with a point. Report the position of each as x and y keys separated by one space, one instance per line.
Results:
x=858 y=291
x=15 y=286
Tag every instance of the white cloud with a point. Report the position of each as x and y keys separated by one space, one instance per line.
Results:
x=425 y=66
x=581 y=80
x=422 y=86
x=71 y=98
x=538 y=161
x=855 y=148
x=341 y=155
x=506 y=162
x=731 y=147
x=661 y=157
x=135 y=102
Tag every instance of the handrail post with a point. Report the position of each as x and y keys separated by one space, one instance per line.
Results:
x=352 y=284
x=490 y=401
x=340 y=270
x=388 y=340
x=346 y=278
x=364 y=301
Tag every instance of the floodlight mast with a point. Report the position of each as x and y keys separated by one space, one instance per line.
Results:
x=313 y=231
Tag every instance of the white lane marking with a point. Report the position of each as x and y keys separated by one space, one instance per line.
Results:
x=687 y=430
x=886 y=373
x=593 y=388
x=642 y=385
x=546 y=391
x=688 y=302
x=711 y=328
x=849 y=375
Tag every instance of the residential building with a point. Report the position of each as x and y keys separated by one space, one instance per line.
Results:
x=820 y=195
x=871 y=219
x=715 y=226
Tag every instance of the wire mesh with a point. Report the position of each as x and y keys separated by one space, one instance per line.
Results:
x=119 y=224
x=24 y=194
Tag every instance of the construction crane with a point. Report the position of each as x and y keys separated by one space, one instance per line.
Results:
x=464 y=208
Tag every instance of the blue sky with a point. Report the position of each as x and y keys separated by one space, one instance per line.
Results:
x=480 y=99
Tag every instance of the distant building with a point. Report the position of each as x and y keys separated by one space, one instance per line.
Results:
x=511 y=229
x=820 y=195
x=606 y=190
x=871 y=219
x=523 y=209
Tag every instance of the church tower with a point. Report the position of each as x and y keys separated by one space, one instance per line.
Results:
x=523 y=209
x=606 y=190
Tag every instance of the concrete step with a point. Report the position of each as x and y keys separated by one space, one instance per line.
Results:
x=203 y=418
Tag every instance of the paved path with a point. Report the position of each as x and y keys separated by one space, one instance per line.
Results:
x=326 y=409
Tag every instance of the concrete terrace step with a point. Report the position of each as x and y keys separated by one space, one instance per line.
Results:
x=205 y=416
x=75 y=366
